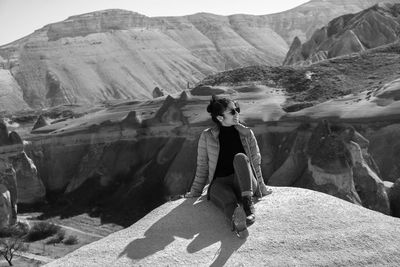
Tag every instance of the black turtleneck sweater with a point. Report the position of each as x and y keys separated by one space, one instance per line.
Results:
x=229 y=146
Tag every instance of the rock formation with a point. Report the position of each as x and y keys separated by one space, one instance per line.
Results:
x=293 y=227
x=6 y=210
x=8 y=189
x=28 y=185
x=370 y=28
x=157 y=92
x=15 y=138
x=394 y=197
x=330 y=160
x=4 y=135
x=40 y=122
x=169 y=113
x=131 y=120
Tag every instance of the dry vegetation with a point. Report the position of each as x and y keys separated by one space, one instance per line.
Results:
x=324 y=80
x=50 y=239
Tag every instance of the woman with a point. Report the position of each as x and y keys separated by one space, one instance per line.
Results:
x=229 y=159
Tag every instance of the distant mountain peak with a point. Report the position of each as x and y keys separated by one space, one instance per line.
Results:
x=370 y=28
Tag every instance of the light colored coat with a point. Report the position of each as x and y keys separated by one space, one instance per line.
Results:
x=208 y=152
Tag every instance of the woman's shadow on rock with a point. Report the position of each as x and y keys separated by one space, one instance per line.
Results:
x=192 y=218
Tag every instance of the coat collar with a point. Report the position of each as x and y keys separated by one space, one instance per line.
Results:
x=243 y=130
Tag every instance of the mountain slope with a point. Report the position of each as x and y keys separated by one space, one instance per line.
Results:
x=116 y=54
x=303 y=20
x=373 y=27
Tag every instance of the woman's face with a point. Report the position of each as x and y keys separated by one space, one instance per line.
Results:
x=229 y=119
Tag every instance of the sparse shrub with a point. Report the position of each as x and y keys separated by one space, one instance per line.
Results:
x=6 y=232
x=18 y=230
x=41 y=230
x=71 y=240
x=58 y=238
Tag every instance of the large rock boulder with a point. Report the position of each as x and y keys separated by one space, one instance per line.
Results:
x=369 y=186
x=385 y=148
x=293 y=227
x=8 y=182
x=4 y=135
x=157 y=92
x=29 y=186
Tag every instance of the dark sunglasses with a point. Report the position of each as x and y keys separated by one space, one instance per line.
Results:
x=234 y=111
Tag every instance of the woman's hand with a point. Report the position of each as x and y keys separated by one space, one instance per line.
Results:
x=265 y=190
x=191 y=195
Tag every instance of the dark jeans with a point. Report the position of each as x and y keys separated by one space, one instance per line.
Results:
x=226 y=192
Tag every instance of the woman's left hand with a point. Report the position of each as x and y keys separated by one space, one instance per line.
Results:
x=265 y=190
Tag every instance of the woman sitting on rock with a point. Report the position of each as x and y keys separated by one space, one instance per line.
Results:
x=229 y=159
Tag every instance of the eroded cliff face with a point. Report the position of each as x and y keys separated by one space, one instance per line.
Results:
x=117 y=54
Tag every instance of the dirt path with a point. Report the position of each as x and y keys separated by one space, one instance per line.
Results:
x=34 y=257
x=79 y=231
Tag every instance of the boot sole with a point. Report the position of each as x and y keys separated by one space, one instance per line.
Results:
x=239 y=222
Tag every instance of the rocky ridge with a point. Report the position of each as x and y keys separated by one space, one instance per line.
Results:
x=303 y=20
x=293 y=227
x=370 y=28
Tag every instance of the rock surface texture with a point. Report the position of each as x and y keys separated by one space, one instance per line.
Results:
x=293 y=227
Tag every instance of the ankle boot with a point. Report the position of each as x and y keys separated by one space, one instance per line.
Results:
x=248 y=207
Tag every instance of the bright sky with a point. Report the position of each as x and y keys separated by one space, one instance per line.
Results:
x=19 y=18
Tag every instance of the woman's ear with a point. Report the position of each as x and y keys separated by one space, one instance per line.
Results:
x=220 y=118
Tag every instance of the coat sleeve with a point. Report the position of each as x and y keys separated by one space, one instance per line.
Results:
x=201 y=176
x=256 y=157
x=255 y=151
